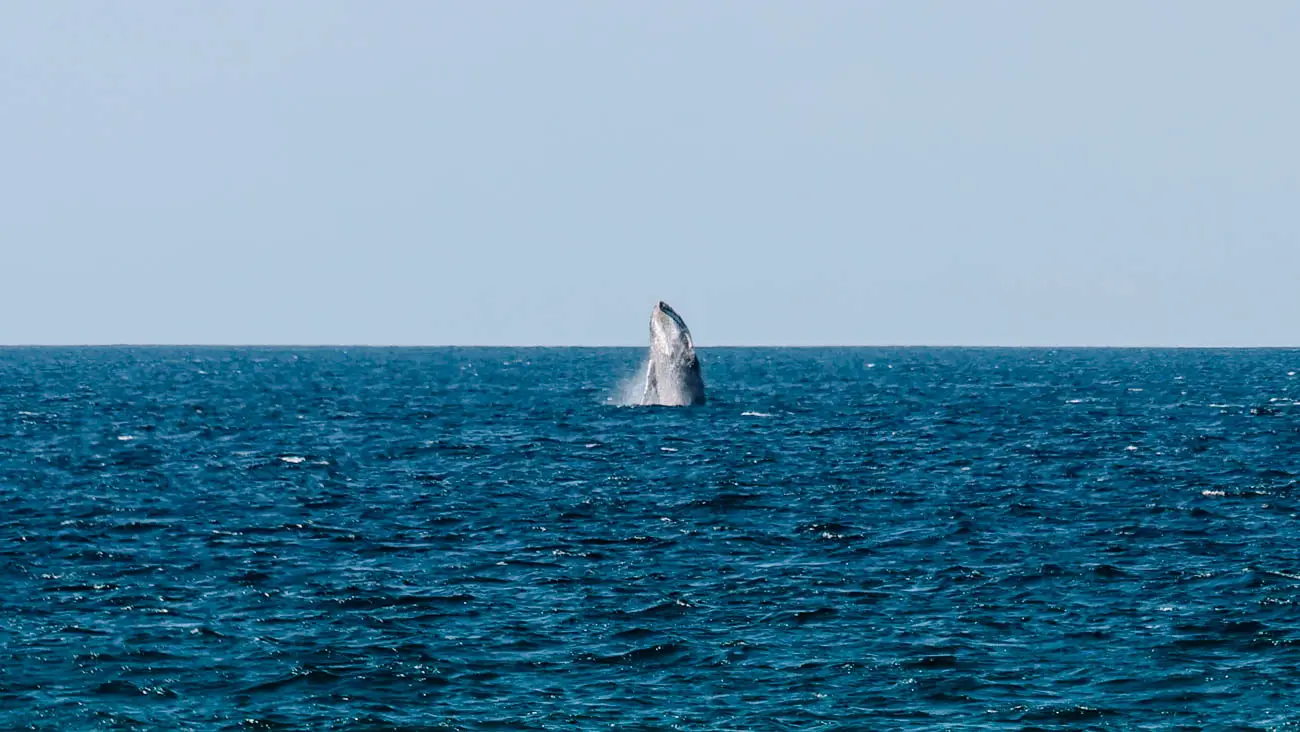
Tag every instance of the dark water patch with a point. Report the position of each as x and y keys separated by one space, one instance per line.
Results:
x=657 y=653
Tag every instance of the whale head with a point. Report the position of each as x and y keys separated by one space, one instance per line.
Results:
x=669 y=334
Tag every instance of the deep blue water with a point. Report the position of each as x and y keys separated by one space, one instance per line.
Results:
x=475 y=538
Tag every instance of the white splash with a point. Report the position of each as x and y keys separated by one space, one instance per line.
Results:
x=630 y=389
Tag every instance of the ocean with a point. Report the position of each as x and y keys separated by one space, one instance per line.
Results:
x=485 y=538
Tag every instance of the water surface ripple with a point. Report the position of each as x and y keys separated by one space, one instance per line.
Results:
x=475 y=538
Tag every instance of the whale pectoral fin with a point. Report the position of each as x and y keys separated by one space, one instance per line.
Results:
x=651 y=394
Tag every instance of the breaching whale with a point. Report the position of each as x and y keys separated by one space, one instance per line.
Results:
x=672 y=377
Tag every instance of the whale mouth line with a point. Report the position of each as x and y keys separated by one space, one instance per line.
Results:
x=672 y=315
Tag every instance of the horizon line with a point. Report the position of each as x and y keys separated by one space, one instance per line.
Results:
x=702 y=347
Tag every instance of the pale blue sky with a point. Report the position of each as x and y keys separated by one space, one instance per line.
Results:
x=1007 y=173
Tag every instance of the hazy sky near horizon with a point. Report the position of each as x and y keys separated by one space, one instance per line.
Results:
x=324 y=172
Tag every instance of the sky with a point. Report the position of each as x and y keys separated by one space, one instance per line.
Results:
x=526 y=173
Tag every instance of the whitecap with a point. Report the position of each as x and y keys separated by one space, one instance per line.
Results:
x=1213 y=493
x=126 y=438
x=755 y=414
x=294 y=459
x=668 y=449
